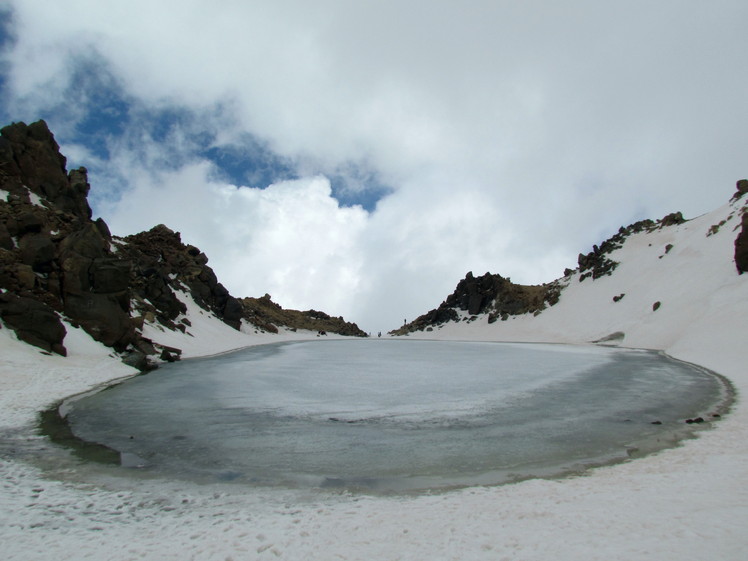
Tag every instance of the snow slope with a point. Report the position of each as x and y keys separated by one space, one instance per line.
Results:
x=690 y=502
x=702 y=297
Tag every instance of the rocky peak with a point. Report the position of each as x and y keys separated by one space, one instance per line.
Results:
x=56 y=262
x=490 y=294
x=30 y=158
x=163 y=266
x=266 y=315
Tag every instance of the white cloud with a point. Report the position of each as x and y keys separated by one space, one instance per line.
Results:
x=514 y=134
x=291 y=239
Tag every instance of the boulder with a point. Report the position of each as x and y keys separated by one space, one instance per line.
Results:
x=27 y=222
x=233 y=311
x=86 y=242
x=110 y=275
x=37 y=251
x=25 y=276
x=672 y=219
x=102 y=317
x=741 y=188
x=138 y=360
x=34 y=322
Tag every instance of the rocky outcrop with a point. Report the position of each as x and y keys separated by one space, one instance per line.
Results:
x=34 y=322
x=597 y=263
x=489 y=294
x=53 y=253
x=741 y=247
x=741 y=188
x=30 y=157
x=498 y=298
x=164 y=266
x=95 y=287
x=741 y=242
x=56 y=262
x=266 y=315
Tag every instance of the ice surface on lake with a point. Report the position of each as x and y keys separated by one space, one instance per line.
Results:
x=394 y=414
x=394 y=380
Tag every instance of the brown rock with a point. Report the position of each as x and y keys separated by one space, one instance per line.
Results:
x=742 y=188
x=741 y=247
x=34 y=322
x=25 y=276
x=30 y=152
x=37 y=251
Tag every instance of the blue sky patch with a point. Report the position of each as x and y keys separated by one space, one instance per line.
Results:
x=250 y=163
x=358 y=186
x=6 y=41
x=96 y=112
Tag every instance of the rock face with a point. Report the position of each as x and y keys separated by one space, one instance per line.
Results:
x=34 y=322
x=741 y=242
x=163 y=266
x=50 y=251
x=31 y=153
x=489 y=294
x=56 y=262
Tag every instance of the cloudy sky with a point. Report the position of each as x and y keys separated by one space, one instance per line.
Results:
x=360 y=157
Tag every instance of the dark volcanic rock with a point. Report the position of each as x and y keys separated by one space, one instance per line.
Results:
x=61 y=259
x=31 y=154
x=741 y=242
x=164 y=265
x=741 y=189
x=672 y=219
x=34 y=322
x=266 y=315
x=741 y=247
x=95 y=287
x=37 y=251
x=597 y=263
x=475 y=294
x=489 y=294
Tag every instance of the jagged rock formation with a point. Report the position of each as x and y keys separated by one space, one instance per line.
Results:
x=56 y=262
x=596 y=263
x=267 y=315
x=741 y=242
x=50 y=250
x=489 y=294
x=163 y=266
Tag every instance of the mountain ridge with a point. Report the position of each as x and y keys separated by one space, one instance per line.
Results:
x=491 y=297
x=58 y=264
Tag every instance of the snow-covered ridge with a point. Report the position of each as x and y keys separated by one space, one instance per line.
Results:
x=671 y=282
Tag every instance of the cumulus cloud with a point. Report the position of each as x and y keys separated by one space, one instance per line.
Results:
x=498 y=136
x=290 y=239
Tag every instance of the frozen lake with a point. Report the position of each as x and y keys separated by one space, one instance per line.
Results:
x=396 y=415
